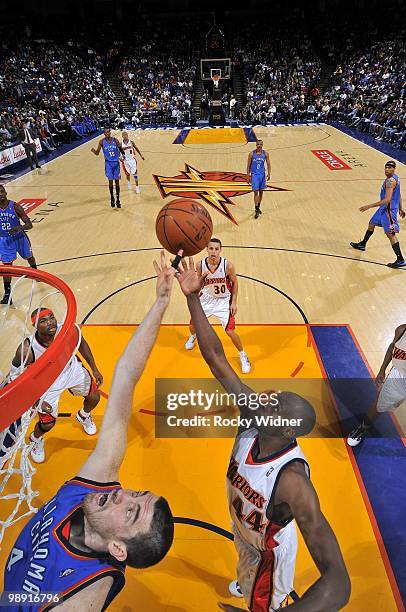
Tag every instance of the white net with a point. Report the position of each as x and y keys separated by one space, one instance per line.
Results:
x=16 y=470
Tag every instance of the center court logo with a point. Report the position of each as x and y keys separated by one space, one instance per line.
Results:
x=214 y=188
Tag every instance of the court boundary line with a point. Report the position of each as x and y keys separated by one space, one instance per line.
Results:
x=368 y=504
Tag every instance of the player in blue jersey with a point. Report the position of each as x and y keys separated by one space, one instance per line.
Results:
x=111 y=149
x=13 y=239
x=78 y=544
x=256 y=174
x=390 y=204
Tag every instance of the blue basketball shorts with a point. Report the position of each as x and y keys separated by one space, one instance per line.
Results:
x=387 y=218
x=11 y=245
x=258 y=182
x=112 y=170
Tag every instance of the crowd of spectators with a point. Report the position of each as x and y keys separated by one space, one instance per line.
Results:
x=158 y=73
x=60 y=95
x=369 y=92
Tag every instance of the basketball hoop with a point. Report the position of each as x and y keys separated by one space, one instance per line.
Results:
x=216 y=80
x=31 y=290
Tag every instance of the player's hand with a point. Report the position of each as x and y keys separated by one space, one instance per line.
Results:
x=15 y=230
x=402 y=213
x=98 y=377
x=228 y=607
x=268 y=177
x=233 y=309
x=364 y=208
x=249 y=179
x=93 y=151
x=165 y=278
x=190 y=280
x=379 y=380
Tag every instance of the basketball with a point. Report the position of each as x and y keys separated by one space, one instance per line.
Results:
x=184 y=224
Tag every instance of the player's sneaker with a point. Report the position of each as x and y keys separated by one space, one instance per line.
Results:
x=235 y=589
x=137 y=189
x=357 y=435
x=112 y=203
x=118 y=203
x=37 y=450
x=257 y=213
x=190 y=342
x=6 y=298
x=245 y=363
x=358 y=245
x=87 y=423
x=399 y=263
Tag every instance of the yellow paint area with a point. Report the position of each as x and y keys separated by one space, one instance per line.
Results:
x=217 y=135
x=191 y=474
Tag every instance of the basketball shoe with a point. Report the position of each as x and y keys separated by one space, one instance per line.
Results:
x=357 y=435
x=87 y=423
x=235 y=589
x=360 y=246
x=245 y=362
x=37 y=450
x=190 y=342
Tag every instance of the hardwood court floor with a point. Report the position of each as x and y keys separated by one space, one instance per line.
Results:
x=295 y=264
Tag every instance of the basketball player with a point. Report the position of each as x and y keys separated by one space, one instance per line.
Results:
x=386 y=216
x=74 y=378
x=13 y=238
x=79 y=543
x=111 y=149
x=392 y=388
x=129 y=161
x=219 y=297
x=268 y=486
x=256 y=174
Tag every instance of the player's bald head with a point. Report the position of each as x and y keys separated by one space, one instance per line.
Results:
x=296 y=408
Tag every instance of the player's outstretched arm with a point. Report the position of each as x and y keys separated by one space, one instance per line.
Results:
x=210 y=345
x=390 y=188
x=97 y=151
x=104 y=462
x=332 y=590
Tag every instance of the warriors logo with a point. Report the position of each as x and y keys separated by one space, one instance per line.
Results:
x=215 y=188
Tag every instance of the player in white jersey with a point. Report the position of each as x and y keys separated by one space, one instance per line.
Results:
x=268 y=486
x=75 y=378
x=129 y=162
x=392 y=387
x=219 y=297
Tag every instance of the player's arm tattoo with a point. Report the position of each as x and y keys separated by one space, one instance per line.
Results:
x=332 y=590
x=21 y=214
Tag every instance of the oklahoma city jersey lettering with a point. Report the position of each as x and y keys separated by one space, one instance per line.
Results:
x=42 y=560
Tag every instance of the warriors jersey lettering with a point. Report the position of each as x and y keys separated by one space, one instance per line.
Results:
x=216 y=284
x=43 y=560
x=128 y=149
x=399 y=354
x=251 y=488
